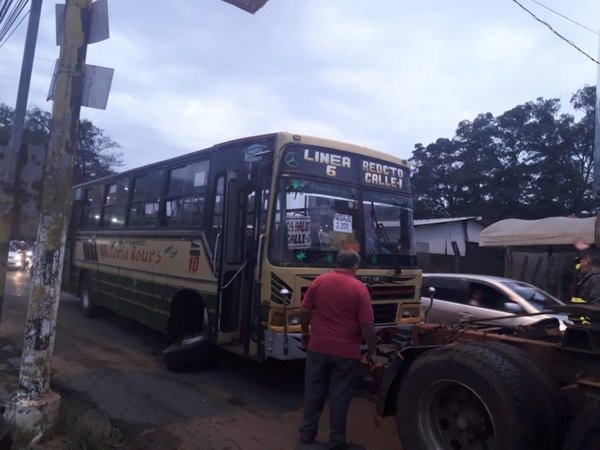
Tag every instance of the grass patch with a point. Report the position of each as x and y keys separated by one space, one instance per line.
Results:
x=76 y=428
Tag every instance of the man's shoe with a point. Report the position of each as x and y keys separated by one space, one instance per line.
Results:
x=307 y=440
x=348 y=445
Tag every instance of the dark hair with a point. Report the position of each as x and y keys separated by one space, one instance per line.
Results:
x=347 y=259
x=593 y=257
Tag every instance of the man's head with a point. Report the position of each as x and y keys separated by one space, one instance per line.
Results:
x=590 y=261
x=348 y=259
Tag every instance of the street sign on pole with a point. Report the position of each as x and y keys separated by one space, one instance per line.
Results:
x=250 y=6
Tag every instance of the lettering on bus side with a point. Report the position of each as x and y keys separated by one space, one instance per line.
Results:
x=90 y=251
x=382 y=175
x=133 y=251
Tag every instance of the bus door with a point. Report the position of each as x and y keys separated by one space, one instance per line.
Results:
x=241 y=225
x=233 y=264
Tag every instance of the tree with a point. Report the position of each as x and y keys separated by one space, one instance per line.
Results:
x=95 y=156
x=530 y=162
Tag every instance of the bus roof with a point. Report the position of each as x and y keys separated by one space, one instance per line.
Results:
x=280 y=136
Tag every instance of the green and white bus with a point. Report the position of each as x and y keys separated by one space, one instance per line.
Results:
x=217 y=247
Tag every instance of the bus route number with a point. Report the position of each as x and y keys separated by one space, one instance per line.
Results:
x=193 y=263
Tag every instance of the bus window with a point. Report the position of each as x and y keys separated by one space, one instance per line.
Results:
x=186 y=195
x=217 y=214
x=313 y=221
x=143 y=209
x=92 y=208
x=114 y=206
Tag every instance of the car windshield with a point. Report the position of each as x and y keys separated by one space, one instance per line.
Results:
x=537 y=298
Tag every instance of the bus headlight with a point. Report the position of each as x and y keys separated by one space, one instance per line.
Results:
x=293 y=319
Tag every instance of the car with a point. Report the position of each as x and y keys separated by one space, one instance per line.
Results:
x=485 y=298
x=15 y=258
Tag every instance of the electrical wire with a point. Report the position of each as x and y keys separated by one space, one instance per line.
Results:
x=11 y=14
x=556 y=32
x=14 y=29
x=565 y=17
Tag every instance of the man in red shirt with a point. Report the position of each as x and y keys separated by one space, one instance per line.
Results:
x=338 y=309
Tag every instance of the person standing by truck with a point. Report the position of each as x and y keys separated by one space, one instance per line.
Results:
x=588 y=287
x=338 y=309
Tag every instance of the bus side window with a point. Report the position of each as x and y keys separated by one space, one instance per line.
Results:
x=216 y=223
x=113 y=213
x=92 y=208
x=143 y=208
x=184 y=206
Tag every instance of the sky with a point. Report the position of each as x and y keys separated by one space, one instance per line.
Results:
x=385 y=74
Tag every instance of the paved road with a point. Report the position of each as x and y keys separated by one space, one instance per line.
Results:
x=113 y=364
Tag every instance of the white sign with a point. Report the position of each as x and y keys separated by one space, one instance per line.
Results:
x=342 y=223
x=298 y=229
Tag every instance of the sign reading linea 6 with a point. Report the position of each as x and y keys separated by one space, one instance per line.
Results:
x=250 y=6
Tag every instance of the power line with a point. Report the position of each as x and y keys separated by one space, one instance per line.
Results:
x=556 y=33
x=9 y=15
x=565 y=17
x=14 y=29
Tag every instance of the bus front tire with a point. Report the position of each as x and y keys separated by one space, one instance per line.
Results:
x=189 y=352
x=88 y=309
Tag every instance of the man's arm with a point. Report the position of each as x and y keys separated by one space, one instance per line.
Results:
x=305 y=316
x=368 y=333
x=594 y=290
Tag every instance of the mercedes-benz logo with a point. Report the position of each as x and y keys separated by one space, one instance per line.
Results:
x=291 y=159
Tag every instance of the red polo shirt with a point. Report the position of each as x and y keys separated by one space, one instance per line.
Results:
x=340 y=305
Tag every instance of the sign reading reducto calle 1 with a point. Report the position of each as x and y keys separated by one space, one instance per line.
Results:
x=341 y=166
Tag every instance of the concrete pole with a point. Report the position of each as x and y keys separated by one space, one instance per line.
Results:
x=35 y=406
x=7 y=196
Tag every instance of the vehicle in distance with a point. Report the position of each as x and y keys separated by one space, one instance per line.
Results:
x=15 y=258
x=470 y=297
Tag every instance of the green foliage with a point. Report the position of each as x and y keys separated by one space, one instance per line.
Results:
x=530 y=162
x=94 y=156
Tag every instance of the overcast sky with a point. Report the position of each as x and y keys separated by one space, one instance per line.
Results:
x=386 y=74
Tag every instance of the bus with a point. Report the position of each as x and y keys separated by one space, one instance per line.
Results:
x=216 y=248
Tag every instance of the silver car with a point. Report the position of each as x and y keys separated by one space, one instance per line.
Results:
x=476 y=297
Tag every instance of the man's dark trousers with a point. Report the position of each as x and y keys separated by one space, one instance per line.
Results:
x=332 y=376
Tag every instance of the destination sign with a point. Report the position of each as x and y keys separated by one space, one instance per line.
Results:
x=338 y=165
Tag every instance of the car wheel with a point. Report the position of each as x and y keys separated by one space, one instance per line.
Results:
x=88 y=309
x=470 y=397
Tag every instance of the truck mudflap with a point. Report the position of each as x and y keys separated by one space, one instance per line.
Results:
x=392 y=378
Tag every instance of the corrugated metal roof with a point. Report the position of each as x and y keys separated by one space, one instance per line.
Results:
x=447 y=219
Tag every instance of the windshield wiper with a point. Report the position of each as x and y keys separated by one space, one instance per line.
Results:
x=383 y=240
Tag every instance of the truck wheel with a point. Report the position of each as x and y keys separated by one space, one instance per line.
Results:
x=88 y=309
x=466 y=397
x=195 y=348
x=584 y=432
x=544 y=387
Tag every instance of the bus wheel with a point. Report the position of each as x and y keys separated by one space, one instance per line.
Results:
x=191 y=346
x=88 y=308
x=584 y=433
x=470 y=397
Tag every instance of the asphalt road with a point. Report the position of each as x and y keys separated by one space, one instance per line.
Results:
x=114 y=365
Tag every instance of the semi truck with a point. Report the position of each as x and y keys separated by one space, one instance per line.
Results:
x=467 y=385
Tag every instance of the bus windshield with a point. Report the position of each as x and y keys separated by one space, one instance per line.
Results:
x=388 y=225
x=315 y=219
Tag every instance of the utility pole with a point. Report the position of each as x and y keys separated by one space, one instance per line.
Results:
x=35 y=407
x=7 y=180
x=596 y=173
